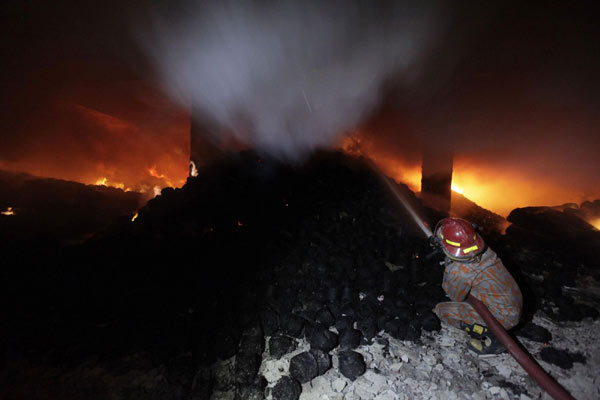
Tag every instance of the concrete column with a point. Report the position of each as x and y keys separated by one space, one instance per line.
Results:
x=436 y=178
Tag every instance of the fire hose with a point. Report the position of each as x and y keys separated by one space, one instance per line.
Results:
x=545 y=381
x=542 y=378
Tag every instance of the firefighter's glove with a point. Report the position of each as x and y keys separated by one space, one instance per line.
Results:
x=435 y=242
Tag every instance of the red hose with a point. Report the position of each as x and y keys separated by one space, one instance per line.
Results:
x=545 y=381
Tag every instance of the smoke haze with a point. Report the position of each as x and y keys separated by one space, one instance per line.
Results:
x=286 y=77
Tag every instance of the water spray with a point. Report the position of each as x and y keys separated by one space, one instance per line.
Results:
x=401 y=198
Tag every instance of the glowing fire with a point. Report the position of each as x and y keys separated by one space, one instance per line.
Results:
x=134 y=217
x=457 y=189
x=193 y=169
x=143 y=187
x=499 y=190
x=8 y=211
x=153 y=172
x=595 y=223
x=104 y=182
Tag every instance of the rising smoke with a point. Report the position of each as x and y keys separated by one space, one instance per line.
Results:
x=286 y=77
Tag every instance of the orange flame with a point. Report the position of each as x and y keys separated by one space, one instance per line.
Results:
x=9 y=211
x=194 y=170
x=153 y=172
x=457 y=189
x=104 y=182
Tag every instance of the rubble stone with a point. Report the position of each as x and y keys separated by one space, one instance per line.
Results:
x=338 y=385
x=281 y=345
x=246 y=367
x=325 y=317
x=349 y=339
x=293 y=326
x=321 y=338
x=323 y=360
x=352 y=364
x=286 y=389
x=344 y=322
x=303 y=367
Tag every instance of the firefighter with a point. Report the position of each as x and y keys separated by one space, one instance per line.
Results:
x=473 y=268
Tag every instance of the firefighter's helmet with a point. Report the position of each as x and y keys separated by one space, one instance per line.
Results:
x=458 y=239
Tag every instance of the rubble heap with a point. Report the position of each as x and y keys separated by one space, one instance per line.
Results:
x=259 y=279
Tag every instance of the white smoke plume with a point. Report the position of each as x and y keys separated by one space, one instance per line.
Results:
x=286 y=77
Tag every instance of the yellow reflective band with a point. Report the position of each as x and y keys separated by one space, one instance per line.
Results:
x=470 y=249
x=452 y=243
x=475 y=237
x=477 y=344
x=478 y=329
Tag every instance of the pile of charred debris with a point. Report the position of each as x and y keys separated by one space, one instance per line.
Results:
x=254 y=260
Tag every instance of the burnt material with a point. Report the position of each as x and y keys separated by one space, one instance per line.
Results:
x=349 y=339
x=534 y=332
x=304 y=367
x=254 y=391
x=429 y=321
x=281 y=345
x=352 y=364
x=286 y=388
x=561 y=358
x=325 y=317
x=436 y=178
x=323 y=360
x=321 y=338
x=293 y=326
x=246 y=367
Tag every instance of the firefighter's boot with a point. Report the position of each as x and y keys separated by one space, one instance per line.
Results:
x=475 y=330
x=487 y=344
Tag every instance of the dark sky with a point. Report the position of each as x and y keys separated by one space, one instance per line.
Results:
x=513 y=87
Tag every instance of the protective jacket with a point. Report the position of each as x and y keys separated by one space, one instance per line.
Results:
x=487 y=280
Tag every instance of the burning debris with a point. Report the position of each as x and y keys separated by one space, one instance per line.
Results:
x=457 y=189
x=9 y=211
x=52 y=211
x=193 y=169
x=117 y=185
